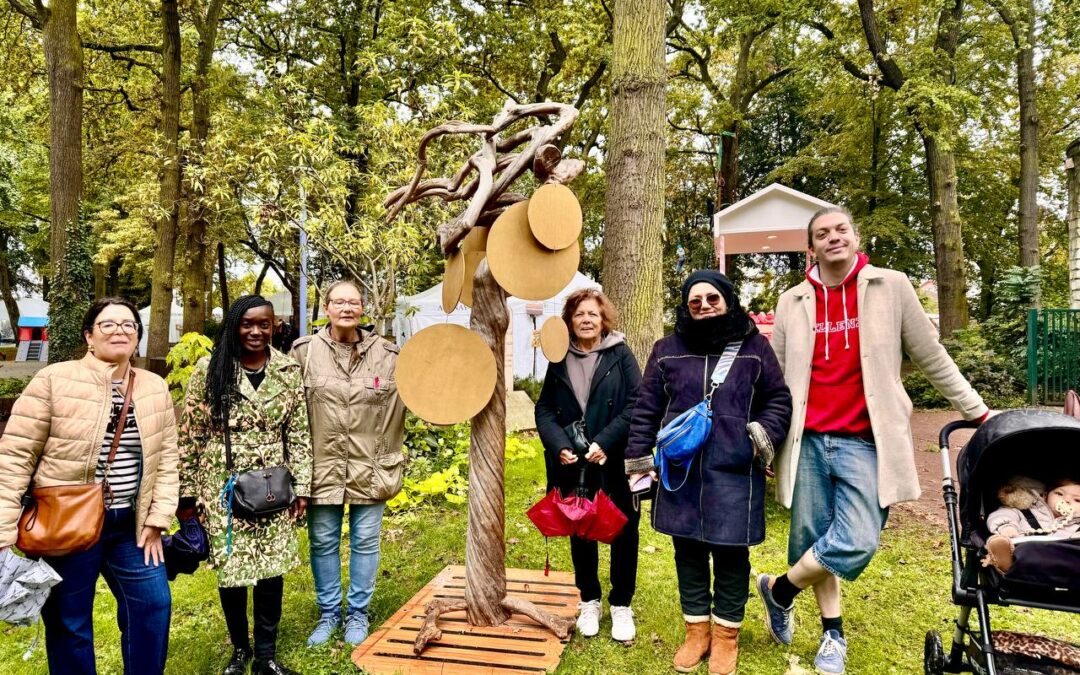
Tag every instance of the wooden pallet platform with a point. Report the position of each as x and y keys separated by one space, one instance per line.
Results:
x=518 y=647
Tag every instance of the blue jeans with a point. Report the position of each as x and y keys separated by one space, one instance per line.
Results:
x=835 y=511
x=324 y=535
x=143 y=603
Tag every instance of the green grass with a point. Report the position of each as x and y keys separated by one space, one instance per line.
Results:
x=886 y=613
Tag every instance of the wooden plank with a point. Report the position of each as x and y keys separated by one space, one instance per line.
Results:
x=517 y=647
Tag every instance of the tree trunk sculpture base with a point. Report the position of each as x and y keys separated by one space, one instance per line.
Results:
x=561 y=626
x=432 y=633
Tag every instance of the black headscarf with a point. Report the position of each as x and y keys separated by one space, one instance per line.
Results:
x=712 y=334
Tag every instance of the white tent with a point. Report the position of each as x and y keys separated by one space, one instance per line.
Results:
x=176 y=322
x=416 y=312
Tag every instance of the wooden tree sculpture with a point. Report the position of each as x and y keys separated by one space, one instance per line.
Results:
x=497 y=165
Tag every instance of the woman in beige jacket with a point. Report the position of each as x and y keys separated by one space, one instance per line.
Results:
x=357 y=430
x=60 y=433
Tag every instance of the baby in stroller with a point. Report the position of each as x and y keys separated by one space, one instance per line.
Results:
x=1029 y=509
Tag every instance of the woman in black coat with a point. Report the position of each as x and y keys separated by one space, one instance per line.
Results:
x=598 y=382
x=719 y=511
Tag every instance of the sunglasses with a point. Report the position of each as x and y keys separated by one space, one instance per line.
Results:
x=712 y=299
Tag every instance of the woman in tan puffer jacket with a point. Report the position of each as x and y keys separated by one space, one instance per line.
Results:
x=60 y=433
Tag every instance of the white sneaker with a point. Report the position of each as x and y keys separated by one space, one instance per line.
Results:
x=588 y=621
x=622 y=624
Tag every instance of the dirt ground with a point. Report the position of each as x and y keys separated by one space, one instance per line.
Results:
x=930 y=508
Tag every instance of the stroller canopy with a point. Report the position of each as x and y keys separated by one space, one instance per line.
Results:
x=1041 y=444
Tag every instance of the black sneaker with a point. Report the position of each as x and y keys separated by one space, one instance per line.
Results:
x=239 y=662
x=270 y=667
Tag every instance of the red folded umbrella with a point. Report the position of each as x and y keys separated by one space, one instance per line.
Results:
x=605 y=524
x=549 y=518
x=596 y=519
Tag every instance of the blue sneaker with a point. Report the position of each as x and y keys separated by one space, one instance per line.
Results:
x=777 y=619
x=356 y=627
x=832 y=654
x=324 y=629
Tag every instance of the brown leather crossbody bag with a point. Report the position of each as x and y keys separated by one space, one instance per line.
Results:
x=65 y=519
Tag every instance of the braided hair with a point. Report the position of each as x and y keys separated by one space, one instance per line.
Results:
x=221 y=374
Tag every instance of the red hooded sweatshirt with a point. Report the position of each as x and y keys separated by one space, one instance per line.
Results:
x=836 y=403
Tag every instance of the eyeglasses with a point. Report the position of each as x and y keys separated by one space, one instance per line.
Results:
x=113 y=327
x=712 y=299
x=339 y=303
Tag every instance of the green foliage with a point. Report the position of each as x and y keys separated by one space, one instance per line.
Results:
x=439 y=461
x=11 y=387
x=991 y=373
x=530 y=386
x=181 y=361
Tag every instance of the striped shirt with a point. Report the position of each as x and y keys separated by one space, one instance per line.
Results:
x=126 y=469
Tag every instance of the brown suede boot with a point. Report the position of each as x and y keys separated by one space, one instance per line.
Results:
x=724 y=653
x=694 y=648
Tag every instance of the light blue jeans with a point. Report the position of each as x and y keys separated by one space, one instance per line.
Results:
x=324 y=535
x=835 y=511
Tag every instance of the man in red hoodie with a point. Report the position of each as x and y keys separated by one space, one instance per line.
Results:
x=840 y=337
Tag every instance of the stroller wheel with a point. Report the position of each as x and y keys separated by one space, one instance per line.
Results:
x=933 y=654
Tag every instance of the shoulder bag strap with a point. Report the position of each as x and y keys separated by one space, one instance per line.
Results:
x=727 y=359
x=228 y=436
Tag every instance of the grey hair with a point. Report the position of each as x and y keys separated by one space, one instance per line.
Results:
x=337 y=284
x=824 y=212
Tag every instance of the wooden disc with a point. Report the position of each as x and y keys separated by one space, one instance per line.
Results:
x=523 y=267
x=555 y=216
x=472 y=261
x=446 y=374
x=554 y=339
x=453 y=281
x=475 y=240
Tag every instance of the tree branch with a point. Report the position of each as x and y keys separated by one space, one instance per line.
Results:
x=31 y=14
x=891 y=75
x=115 y=49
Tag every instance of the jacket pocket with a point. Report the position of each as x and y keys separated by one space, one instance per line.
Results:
x=388 y=475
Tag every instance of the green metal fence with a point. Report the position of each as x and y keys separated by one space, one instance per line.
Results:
x=1053 y=354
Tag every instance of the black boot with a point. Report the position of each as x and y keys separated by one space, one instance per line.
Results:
x=270 y=667
x=238 y=664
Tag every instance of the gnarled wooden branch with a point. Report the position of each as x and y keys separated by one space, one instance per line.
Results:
x=429 y=630
x=562 y=626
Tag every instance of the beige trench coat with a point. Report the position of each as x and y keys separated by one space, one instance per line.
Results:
x=357 y=419
x=891 y=322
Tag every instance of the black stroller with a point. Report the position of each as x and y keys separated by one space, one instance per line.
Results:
x=1040 y=444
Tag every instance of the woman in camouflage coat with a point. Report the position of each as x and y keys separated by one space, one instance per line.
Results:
x=266 y=407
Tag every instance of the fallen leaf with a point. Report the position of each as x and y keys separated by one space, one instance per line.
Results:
x=649 y=549
x=794 y=668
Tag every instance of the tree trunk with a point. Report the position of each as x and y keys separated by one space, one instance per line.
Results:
x=223 y=279
x=7 y=284
x=634 y=201
x=194 y=282
x=161 y=289
x=1073 y=184
x=72 y=278
x=1029 y=139
x=100 y=271
x=259 y=279
x=729 y=166
x=485 y=545
x=948 y=242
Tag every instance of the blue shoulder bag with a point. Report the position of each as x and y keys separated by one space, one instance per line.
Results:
x=679 y=441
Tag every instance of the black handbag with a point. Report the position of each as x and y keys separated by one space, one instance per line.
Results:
x=579 y=437
x=261 y=492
